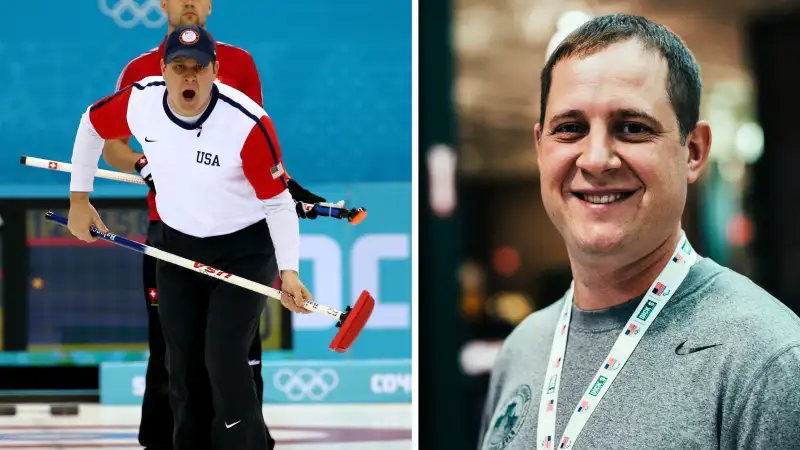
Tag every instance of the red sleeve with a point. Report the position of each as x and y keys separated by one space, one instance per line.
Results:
x=252 y=84
x=261 y=160
x=128 y=76
x=109 y=116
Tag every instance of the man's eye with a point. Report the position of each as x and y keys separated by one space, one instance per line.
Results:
x=569 y=128
x=634 y=128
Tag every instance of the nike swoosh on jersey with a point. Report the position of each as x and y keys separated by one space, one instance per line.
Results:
x=681 y=350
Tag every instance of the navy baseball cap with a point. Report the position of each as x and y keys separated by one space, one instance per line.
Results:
x=193 y=42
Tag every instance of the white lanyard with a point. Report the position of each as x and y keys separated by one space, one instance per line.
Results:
x=654 y=300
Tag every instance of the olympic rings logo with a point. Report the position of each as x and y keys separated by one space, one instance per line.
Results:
x=305 y=383
x=130 y=13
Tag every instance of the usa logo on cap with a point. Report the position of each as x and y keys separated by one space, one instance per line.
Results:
x=189 y=37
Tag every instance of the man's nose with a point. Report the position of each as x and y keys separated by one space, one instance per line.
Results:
x=598 y=154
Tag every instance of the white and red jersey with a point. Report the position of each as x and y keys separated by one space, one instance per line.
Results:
x=236 y=68
x=214 y=176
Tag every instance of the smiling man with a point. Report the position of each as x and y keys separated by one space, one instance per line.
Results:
x=653 y=346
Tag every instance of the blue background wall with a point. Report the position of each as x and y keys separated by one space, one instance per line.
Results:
x=336 y=80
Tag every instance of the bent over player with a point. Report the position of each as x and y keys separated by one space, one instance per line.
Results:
x=237 y=69
x=215 y=157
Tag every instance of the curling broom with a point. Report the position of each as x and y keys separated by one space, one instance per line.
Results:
x=335 y=210
x=350 y=321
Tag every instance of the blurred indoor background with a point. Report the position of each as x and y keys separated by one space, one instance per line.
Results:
x=489 y=254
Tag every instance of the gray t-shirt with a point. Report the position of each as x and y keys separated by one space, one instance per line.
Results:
x=744 y=393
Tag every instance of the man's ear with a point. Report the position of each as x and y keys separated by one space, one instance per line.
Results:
x=699 y=144
x=537 y=140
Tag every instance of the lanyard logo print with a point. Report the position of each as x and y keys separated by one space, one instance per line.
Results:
x=646 y=312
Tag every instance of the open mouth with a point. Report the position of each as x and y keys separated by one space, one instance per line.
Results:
x=188 y=94
x=604 y=198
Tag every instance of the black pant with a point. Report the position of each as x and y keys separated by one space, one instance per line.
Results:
x=157 y=424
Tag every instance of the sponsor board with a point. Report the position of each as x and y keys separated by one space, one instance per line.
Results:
x=312 y=381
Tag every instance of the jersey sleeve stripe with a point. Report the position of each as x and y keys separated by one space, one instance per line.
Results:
x=128 y=66
x=234 y=47
x=111 y=97
x=275 y=159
